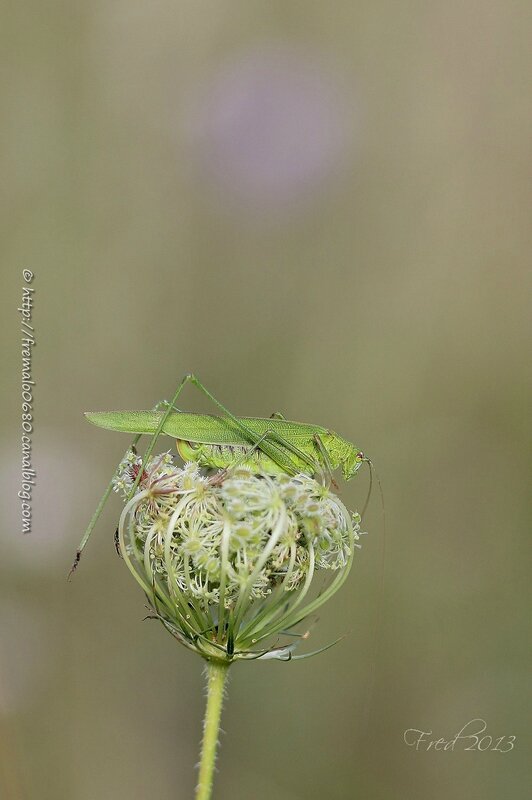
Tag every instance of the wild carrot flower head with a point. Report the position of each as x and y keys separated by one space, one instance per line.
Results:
x=228 y=560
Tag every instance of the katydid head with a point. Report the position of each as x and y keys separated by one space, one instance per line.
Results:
x=351 y=461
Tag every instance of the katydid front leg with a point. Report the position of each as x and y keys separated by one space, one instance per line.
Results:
x=326 y=460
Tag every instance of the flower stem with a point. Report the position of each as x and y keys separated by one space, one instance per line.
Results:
x=216 y=677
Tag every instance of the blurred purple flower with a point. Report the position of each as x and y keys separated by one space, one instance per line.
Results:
x=270 y=126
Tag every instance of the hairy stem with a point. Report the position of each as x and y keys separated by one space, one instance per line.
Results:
x=216 y=677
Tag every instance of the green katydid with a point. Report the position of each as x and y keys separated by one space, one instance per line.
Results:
x=271 y=445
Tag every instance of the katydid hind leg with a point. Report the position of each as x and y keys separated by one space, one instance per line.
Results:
x=274 y=446
x=153 y=441
x=306 y=458
x=312 y=463
x=248 y=452
x=296 y=451
x=109 y=488
x=97 y=513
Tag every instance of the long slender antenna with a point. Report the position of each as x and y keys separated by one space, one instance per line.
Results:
x=380 y=597
x=370 y=487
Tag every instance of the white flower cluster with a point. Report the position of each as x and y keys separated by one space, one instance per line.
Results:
x=230 y=536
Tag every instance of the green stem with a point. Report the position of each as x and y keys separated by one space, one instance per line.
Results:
x=216 y=677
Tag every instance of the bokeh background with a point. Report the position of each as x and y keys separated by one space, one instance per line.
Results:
x=319 y=209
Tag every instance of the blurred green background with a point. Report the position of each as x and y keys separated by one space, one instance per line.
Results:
x=319 y=209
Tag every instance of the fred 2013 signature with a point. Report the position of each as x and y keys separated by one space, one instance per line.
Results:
x=472 y=736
